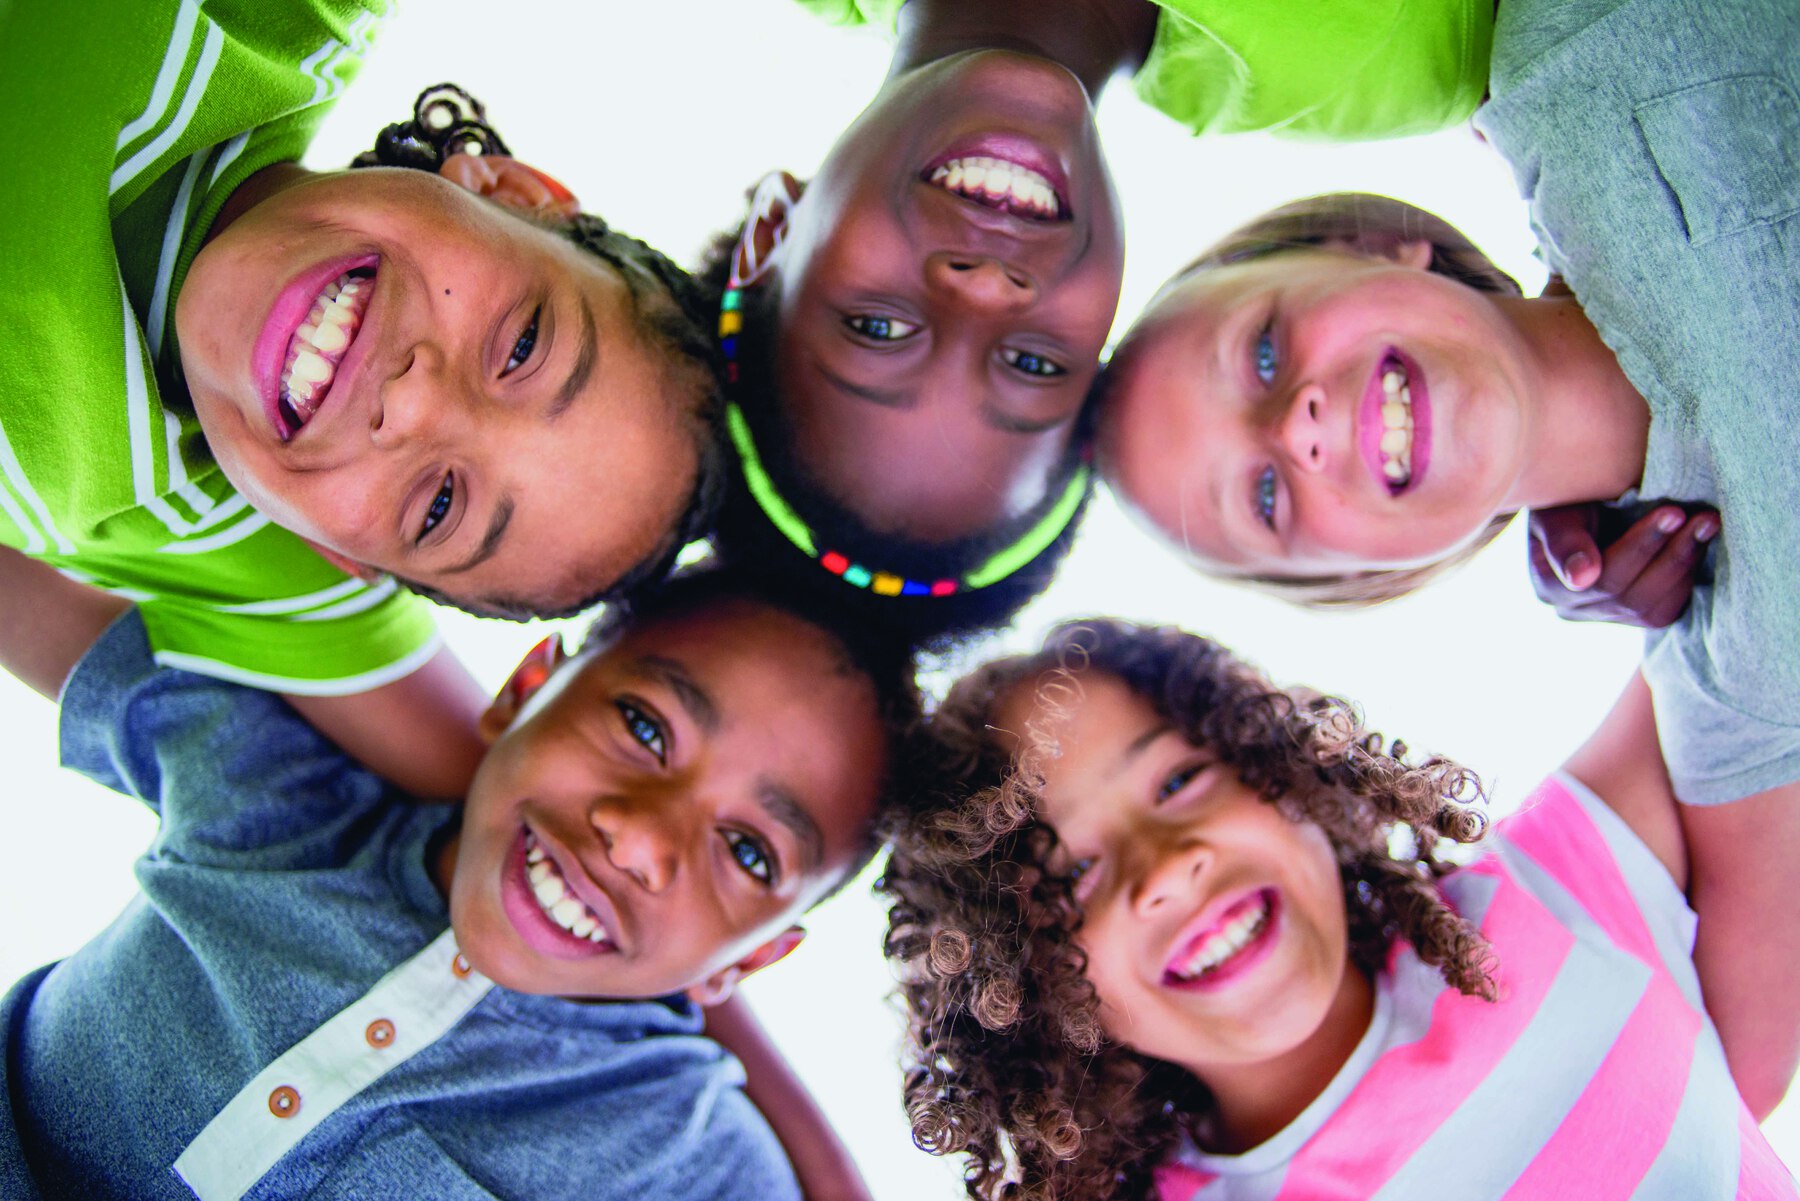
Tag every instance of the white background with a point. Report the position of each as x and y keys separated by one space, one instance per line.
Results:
x=659 y=115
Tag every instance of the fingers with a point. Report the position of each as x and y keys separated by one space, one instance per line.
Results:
x=1661 y=590
x=1563 y=545
x=1626 y=558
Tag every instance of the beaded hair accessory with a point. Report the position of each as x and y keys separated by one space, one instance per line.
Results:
x=781 y=515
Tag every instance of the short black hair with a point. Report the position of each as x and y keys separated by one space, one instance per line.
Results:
x=746 y=537
x=670 y=309
x=869 y=650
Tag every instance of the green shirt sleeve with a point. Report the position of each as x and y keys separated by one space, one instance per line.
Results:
x=135 y=120
x=1338 y=70
x=1346 y=70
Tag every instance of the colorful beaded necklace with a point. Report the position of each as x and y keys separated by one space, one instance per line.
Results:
x=781 y=515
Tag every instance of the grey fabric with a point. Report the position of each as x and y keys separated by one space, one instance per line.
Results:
x=284 y=881
x=1658 y=143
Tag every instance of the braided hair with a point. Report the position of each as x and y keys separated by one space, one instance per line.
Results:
x=668 y=305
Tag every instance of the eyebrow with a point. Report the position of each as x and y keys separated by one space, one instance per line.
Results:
x=781 y=804
x=490 y=541
x=693 y=698
x=1138 y=745
x=585 y=358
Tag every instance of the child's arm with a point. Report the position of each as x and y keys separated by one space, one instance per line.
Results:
x=820 y=1159
x=419 y=731
x=48 y=621
x=1736 y=862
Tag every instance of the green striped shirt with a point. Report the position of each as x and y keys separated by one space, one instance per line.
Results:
x=132 y=122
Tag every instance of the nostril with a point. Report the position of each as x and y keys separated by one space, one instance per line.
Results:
x=956 y=266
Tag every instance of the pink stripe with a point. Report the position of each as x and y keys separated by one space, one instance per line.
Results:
x=1627 y=1109
x=1558 y=834
x=1179 y=1182
x=1410 y=1091
x=1761 y=1174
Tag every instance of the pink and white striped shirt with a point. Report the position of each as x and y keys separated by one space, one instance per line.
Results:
x=1596 y=1077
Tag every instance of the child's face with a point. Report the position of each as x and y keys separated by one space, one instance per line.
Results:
x=692 y=789
x=496 y=428
x=934 y=349
x=1214 y=927
x=1248 y=417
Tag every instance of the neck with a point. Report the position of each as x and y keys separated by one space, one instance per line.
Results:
x=1589 y=425
x=1256 y=1101
x=1094 y=39
x=276 y=177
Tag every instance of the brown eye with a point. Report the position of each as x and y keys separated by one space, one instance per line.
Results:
x=524 y=345
x=877 y=328
x=439 y=507
x=645 y=730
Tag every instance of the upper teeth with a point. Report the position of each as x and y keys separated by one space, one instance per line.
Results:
x=320 y=342
x=1226 y=941
x=1396 y=425
x=998 y=183
x=555 y=898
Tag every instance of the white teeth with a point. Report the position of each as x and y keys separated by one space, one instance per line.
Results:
x=1222 y=944
x=1396 y=427
x=1000 y=184
x=556 y=899
x=322 y=339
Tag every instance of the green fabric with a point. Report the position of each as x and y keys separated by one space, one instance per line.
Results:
x=1346 y=70
x=131 y=122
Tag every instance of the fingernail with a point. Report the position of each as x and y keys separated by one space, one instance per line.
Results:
x=1707 y=529
x=1671 y=521
x=1576 y=563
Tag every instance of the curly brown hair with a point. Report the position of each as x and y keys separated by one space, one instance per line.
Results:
x=1006 y=1060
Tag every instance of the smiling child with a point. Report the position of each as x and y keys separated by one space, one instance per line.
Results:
x=916 y=328
x=236 y=366
x=327 y=989
x=1171 y=931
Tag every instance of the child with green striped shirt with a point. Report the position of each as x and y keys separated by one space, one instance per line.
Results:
x=251 y=397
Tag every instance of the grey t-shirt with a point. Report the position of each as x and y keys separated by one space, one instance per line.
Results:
x=1658 y=143
x=283 y=1013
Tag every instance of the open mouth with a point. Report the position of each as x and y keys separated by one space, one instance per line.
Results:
x=558 y=900
x=1225 y=945
x=319 y=345
x=1397 y=423
x=1000 y=184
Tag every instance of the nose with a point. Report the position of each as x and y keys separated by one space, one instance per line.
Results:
x=1169 y=876
x=640 y=843
x=412 y=400
x=980 y=283
x=1301 y=432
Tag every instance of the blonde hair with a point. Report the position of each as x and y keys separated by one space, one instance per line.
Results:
x=1373 y=224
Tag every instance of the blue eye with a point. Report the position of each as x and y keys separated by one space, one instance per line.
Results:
x=1265 y=496
x=1032 y=364
x=527 y=342
x=881 y=329
x=751 y=855
x=1264 y=355
x=645 y=730
x=438 y=509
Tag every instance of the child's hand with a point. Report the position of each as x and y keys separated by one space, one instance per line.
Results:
x=1643 y=578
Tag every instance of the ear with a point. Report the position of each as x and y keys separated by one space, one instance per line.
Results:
x=765 y=228
x=1407 y=252
x=718 y=986
x=510 y=182
x=344 y=563
x=529 y=676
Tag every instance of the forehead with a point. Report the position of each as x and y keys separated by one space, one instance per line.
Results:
x=1087 y=723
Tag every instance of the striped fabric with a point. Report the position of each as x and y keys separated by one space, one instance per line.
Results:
x=138 y=119
x=1596 y=1077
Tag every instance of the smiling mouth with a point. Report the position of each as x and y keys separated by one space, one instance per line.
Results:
x=999 y=184
x=557 y=900
x=1396 y=444
x=1218 y=948
x=319 y=345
